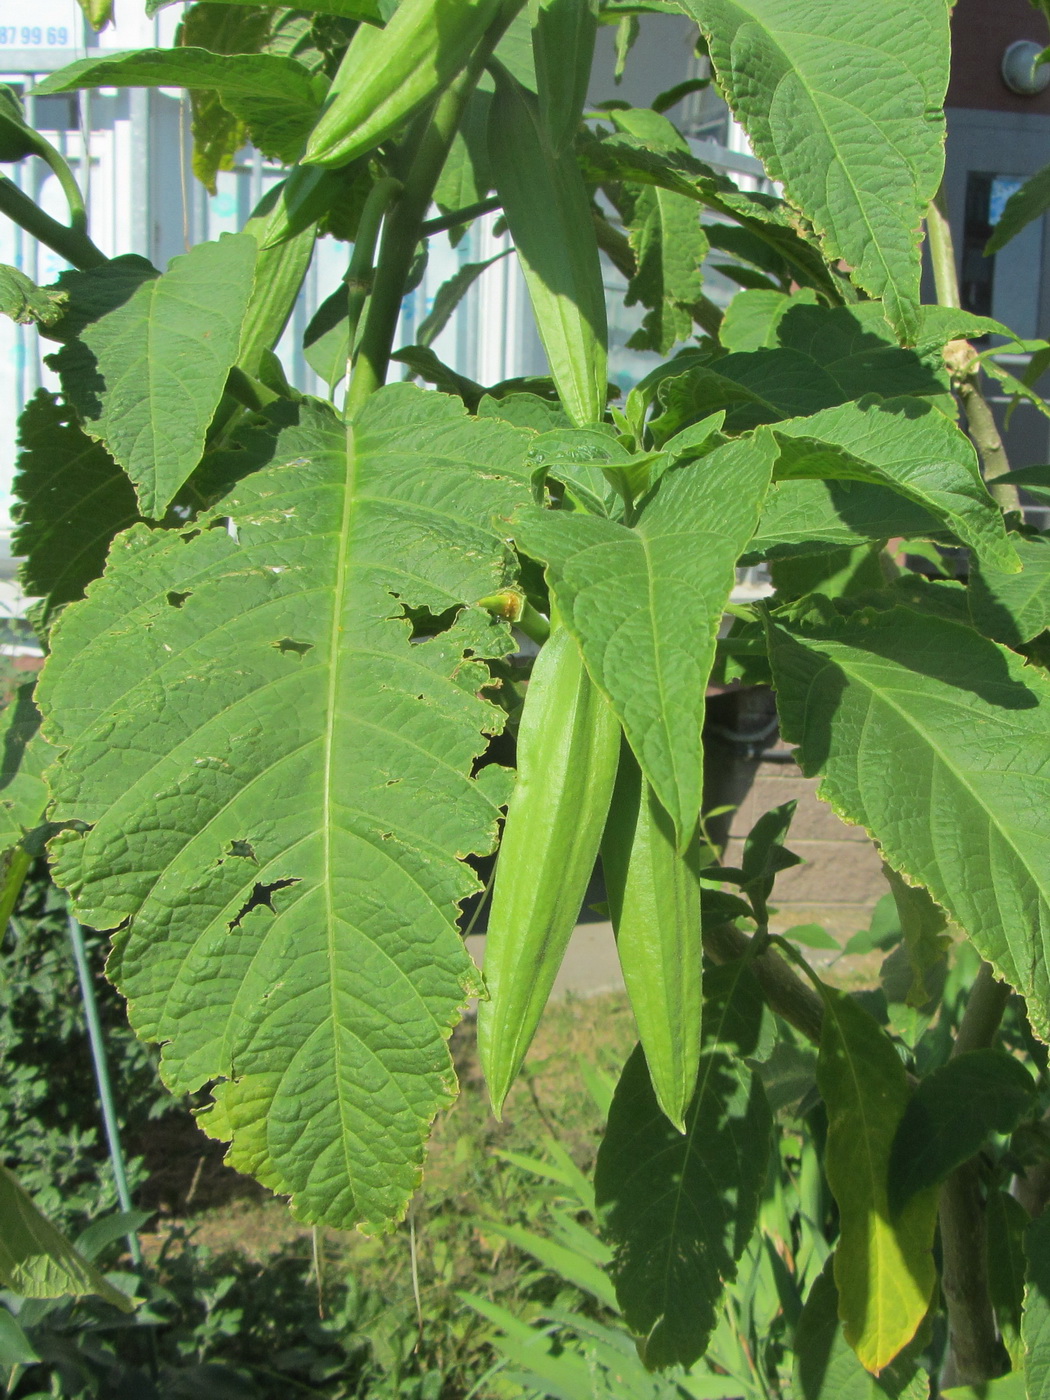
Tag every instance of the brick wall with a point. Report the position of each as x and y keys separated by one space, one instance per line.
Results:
x=841 y=878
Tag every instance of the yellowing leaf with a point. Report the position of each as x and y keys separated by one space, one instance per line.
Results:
x=36 y=1259
x=884 y=1270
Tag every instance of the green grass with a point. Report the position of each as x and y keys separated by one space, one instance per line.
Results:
x=396 y=1297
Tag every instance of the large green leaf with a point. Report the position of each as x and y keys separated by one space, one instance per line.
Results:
x=645 y=604
x=884 y=1268
x=72 y=498
x=1035 y=1321
x=810 y=517
x=276 y=96
x=767 y=219
x=221 y=29
x=935 y=739
x=951 y=1114
x=36 y=1260
x=1030 y=202
x=670 y=246
x=679 y=1209
x=23 y=757
x=826 y=1366
x=147 y=377
x=278 y=782
x=761 y=386
x=25 y=302
x=852 y=345
x=907 y=445
x=789 y=357
x=371 y=10
x=843 y=105
x=1014 y=608
x=669 y=243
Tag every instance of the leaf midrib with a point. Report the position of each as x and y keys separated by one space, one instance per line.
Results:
x=342 y=570
x=961 y=775
x=798 y=73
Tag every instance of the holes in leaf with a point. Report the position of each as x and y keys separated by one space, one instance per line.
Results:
x=244 y=849
x=227 y=524
x=261 y=895
x=287 y=644
x=426 y=623
x=189 y=536
x=176 y=600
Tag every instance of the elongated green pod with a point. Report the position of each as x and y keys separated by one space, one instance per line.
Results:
x=654 y=901
x=387 y=75
x=568 y=745
x=563 y=34
x=549 y=213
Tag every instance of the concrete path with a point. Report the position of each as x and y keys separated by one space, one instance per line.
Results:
x=590 y=966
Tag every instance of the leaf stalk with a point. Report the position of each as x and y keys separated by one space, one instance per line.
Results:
x=403 y=227
x=73 y=244
x=461 y=216
x=964 y=363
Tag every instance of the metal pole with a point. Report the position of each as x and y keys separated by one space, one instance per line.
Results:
x=105 y=1088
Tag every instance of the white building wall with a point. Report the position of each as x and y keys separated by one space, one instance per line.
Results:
x=130 y=151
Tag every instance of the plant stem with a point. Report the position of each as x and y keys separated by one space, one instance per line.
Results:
x=984 y=1011
x=70 y=243
x=105 y=1087
x=962 y=361
x=785 y=991
x=986 y=439
x=361 y=272
x=461 y=216
x=616 y=246
x=534 y=625
x=403 y=227
x=975 y=1352
x=58 y=167
x=942 y=253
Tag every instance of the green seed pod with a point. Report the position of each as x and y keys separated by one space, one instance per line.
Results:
x=387 y=75
x=563 y=34
x=549 y=213
x=654 y=901
x=568 y=746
